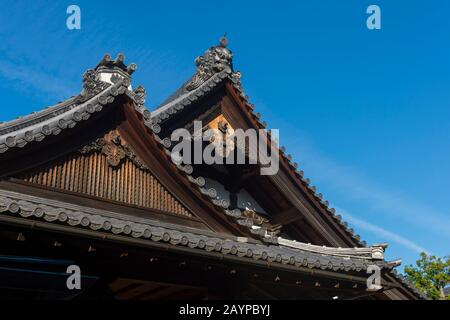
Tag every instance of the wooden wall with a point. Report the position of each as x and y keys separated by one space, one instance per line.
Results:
x=92 y=175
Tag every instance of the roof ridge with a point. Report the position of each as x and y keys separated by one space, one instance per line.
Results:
x=38 y=208
x=215 y=63
x=213 y=68
x=160 y=115
x=100 y=87
x=200 y=182
x=37 y=131
x=374 y=251
x=7 y=125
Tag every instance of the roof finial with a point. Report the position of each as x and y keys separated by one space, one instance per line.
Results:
x=223 y=40
x=215 y=60
x=107 y=63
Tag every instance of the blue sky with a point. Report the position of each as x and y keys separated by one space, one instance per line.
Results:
x=365 y=113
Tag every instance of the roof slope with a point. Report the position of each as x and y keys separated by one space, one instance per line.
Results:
x=101 y=86
x=53 y=120
x=98 y=93
x=215 y=69
x=32 y=207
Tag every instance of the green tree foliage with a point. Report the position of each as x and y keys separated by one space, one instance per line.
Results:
x=431 y=275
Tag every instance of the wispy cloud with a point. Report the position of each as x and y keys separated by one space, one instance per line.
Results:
x=386 y=202
x=35 y=81
x=386 y=234
x=383 y=199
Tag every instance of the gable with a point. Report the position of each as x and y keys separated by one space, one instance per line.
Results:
x=107 y=168
x=287 y=198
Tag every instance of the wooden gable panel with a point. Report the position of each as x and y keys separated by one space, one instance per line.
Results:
x=107 y=169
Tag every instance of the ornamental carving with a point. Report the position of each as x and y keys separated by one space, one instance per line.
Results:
x=115 y=78
x=115 y=150
x=236 y=77
x=225 y=141
x=140 y=95
x=216 y=59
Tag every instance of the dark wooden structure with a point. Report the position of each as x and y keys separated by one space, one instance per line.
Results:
x=91 y=182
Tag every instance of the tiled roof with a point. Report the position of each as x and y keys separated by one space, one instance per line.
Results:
x=187 y=98
x=96 y=95
x=31 y=207
x=408 y=285
x=54 y=120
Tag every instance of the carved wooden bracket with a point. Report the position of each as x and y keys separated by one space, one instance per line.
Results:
x=115 y=150
x=261 y=221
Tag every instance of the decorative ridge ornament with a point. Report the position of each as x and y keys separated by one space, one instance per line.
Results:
x=259 y=221
x=375 y=252
x=92 y=85
x=215 y=60
x=117 y=64
x=106 y=73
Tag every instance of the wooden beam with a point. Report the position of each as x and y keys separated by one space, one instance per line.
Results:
x=287 y=216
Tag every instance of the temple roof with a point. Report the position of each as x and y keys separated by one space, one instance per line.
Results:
x=214 y=66
x=101 y=86
x=214 y=69
x=53 y=120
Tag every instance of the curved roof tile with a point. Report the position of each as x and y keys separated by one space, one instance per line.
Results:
x=77 y=216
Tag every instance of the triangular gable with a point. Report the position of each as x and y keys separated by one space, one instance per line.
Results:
x=109 y=169
x=215 y=94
